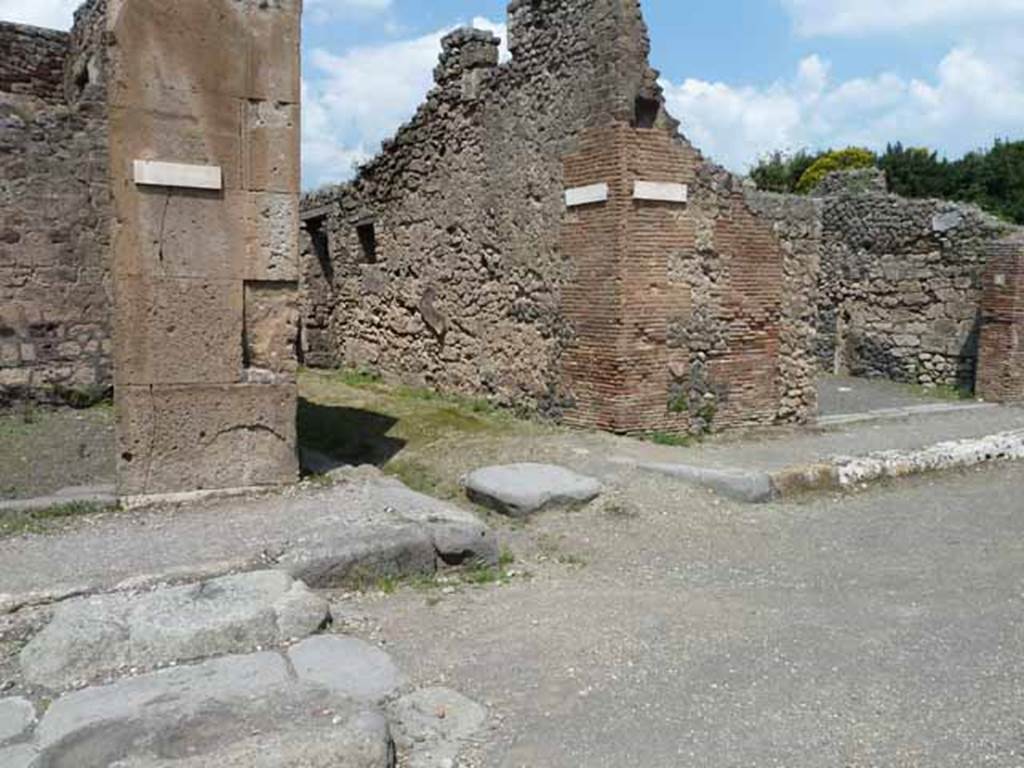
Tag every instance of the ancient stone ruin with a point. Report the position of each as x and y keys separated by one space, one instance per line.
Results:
x=55 y=307
x=898 y=288
x=540 y=233
x=151 y=196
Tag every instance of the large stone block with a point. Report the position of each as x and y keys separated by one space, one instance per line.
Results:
x=172 y=438
x=106 y=634
x=233 y=712
x=159 y=228
x=272 y=244
x=192 y=129
x=245 y=235
x=178 y=331
x=272 y=147
x=275 y=33
x=272 y=326
x=188 y=46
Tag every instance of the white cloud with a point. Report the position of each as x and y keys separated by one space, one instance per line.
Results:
x=856 y=17
x=975 y=96
x=322 y=11
x=55 y=14
x=356 y=99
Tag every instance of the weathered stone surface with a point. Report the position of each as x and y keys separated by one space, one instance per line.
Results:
x=346 y=666
x=273 y=250
x=531 y=304
x=178 y=331
x=271 y=326
x=22 y=756
x=416 y=536
x=55 y=323
x=242 y=710
x=194 y=82
x=433 y=724
x=16 y=716
x=521 y=489
x=897 y=294
x=205 y=437
x=101 y=635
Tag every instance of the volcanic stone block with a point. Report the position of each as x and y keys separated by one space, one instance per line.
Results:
x=173 y=438
x=16 y=716
x=271 y=326
x=192 y=128
x=187 y=46
x=272 y=248
x=272 y=147
x=519 y=490
x=159 y=227
x=103 y=634
x=275 y=30
x=178 y=331
x=233 y=712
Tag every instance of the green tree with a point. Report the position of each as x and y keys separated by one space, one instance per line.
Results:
x=915 y=171
x=780 y=171
x=849 y=159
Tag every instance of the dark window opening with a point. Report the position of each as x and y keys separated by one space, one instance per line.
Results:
x=368 y=242
x=646 y=112
x=321 y=243
x=82 y=79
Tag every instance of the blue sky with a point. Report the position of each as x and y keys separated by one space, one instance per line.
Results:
x=744 y=76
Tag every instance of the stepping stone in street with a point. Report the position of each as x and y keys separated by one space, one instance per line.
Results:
x=109 y=634
x=519 y=490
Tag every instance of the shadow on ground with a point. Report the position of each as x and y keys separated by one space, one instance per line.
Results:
x=349 y=435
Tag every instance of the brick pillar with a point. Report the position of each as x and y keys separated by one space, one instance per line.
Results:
x=1001 y=349
x=677 y=294
x=204 y=140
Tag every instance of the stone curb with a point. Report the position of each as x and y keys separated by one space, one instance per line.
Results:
x=748 y=486
x=103 y=495
x=843 y=472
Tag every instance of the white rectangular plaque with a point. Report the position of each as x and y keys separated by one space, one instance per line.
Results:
x=153 y=173
x=660 y=191
x=595 y=193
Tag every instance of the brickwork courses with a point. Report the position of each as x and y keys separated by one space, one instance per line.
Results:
x=1001 y=358
x=453 y=261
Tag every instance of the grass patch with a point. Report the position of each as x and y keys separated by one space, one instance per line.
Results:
x=409 y=432
x=477 y=575
x=671 y=439
x=420 y=477
x=948 y=392
x=41 y=520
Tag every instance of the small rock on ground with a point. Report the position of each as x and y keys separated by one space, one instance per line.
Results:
x=105 y=634
x=519 y=490
x=16 y=716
